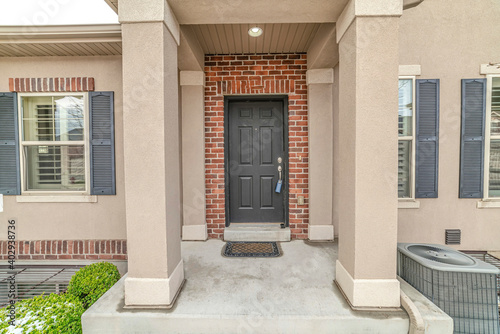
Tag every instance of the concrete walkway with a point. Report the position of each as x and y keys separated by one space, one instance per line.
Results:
x=294 y=293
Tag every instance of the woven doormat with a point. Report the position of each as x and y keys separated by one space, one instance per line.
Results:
x=251 y=249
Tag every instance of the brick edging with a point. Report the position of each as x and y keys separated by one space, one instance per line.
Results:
x=73 y=84
x=66 y=249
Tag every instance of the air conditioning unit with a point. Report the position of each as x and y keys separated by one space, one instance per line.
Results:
x=463 y=287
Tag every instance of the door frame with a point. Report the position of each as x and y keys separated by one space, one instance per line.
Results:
x=256 y=98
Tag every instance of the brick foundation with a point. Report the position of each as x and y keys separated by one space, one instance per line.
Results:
x=253 y=75
x=67 y=250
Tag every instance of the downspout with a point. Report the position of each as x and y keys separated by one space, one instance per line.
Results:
x=417 y=324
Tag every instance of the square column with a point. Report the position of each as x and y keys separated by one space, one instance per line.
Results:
x=194 y=225
x=320 y=100
x=368 y=47
x=151 y=122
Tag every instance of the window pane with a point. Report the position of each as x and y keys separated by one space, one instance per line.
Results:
x=404 y=177
x=55 y=167
x=53 y=118
x=405 y=113
x=495 y=106
x=494 y=186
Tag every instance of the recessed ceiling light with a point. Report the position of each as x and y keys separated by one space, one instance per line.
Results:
x=255 y=31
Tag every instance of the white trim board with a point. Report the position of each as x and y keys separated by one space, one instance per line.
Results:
x=192 y=78
x=321 y=232
x=485 y=204
x=368 y=292
x=194 y=232
x=57 y=199
x=320 y=76
x=154 y=292
x=410 y=70
x=489 y=69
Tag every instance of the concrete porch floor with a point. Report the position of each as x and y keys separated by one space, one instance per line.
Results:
x=294 y=293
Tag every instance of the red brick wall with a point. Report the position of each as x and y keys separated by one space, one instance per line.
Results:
x=256 y=74
x=66 y=250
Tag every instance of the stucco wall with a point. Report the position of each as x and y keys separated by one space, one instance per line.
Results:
x=450 y=39
x=70 y=221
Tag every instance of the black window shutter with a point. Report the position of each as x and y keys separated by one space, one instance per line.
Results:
x=472 y=141
x=427 y=138
x=102 y=144
x=10 y=176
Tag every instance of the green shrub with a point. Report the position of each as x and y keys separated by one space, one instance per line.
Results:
x=91 y=282
x=44 y=314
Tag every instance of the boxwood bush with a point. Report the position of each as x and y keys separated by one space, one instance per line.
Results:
x=61 y=313
x=44 y=314
x=91 y=282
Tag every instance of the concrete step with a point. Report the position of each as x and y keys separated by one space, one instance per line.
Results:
x=256 y=232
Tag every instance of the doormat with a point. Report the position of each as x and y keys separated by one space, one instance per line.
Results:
x=251 y=249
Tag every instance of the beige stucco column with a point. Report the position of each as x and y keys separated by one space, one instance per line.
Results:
x=367 y=32
x=320 y=100
x=193 y=155
x=151 y=125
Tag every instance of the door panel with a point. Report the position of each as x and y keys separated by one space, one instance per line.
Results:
x=255 y=141
x=246 y=186
x=246 y=143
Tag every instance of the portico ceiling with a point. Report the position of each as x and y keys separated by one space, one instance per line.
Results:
x=233 y=38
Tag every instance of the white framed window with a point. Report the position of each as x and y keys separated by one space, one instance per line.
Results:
x=406 y=137
x=492 y=139
x=54 y=147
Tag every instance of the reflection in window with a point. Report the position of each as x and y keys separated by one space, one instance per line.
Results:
x=405 y=133
x=405 y=110
x=53 y=142
x=494 y=163
x=494 y=186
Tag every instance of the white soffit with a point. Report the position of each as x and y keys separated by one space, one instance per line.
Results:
x=62 y=40
x=234 y=38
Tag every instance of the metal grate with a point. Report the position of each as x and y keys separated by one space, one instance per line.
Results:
x=488 y=258
x=453 y=237
x=35 y=280
x=469 y=298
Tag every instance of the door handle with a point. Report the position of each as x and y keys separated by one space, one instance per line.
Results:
x=280 y=181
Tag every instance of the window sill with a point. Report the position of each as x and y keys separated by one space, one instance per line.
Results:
x=408 y=204
x=488 y=204
x=57 y=199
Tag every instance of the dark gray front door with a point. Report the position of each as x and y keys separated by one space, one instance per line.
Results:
x=255 y=143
